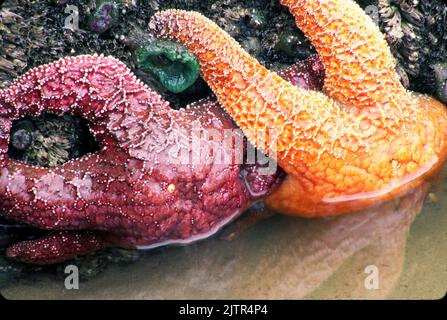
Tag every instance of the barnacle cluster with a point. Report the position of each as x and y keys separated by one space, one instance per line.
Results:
x=416 y=31
x=50 y=140
x=20 y=34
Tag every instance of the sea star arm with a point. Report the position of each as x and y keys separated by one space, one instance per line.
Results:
x=57 y=247
x=245 y=88
x=93 y=87
x=359 y=66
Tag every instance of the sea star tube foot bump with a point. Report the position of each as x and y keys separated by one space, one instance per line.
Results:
x=362 y=141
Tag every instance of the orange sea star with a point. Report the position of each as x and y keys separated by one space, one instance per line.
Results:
x=363 y=141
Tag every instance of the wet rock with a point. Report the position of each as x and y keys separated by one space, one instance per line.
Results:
x=293 y=44
x=252 y=45
x=256 y=19
x=417 y=34
x=105 y=16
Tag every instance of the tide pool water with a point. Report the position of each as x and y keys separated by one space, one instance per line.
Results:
x=397 y=250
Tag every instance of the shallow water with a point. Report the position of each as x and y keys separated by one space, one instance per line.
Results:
x=286 y=257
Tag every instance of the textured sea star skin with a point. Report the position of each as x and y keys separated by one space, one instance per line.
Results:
x=130 y=193
x=131 y=188
x=365 y=140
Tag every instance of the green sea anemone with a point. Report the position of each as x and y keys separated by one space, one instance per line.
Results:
x=170 y=63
